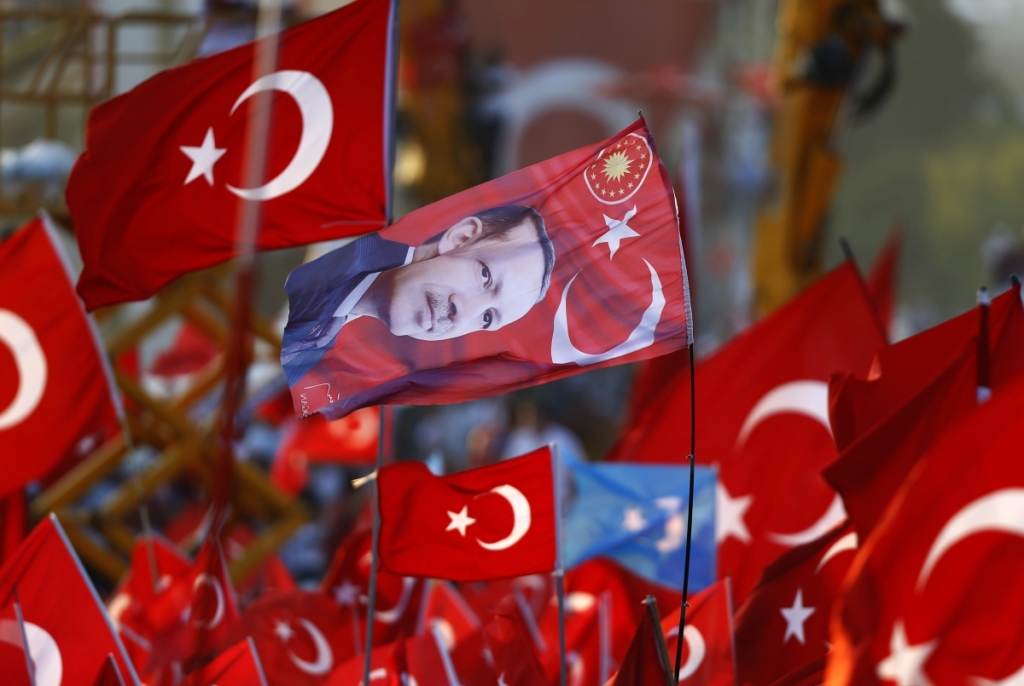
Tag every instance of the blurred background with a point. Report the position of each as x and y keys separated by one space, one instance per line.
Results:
x=488 y=86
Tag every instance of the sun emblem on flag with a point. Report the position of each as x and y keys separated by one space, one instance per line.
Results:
x=620 y=169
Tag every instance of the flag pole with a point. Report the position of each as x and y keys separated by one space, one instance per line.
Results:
x=984 y=381
x=689 y=516
x=371 y=607
x=556 y=466
x=24 y=637
x=604 y=627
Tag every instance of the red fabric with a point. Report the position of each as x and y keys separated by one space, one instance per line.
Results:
x=71 y=623
x=239 y=665
x=775 y=634
x=55 y=393
x=350 y=440
x=811 y=674
x=935 y=591
x=515 y=662
x=109 y=675
x=883 y=281
x=190 y=352
x=348 y=582
x=643 y=665
x=367 y=365
x=300 y=636
x=707 y=649
x=13 y=523
x=140 y=225
x=446 y=607
x=775 y=470
x=401 y=663
x=419 y=512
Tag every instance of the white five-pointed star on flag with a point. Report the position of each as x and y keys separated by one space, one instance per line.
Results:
x=283 y=631
x=634 y=521
x=460 y=520
x=617 y=231
x=795 y=618
x=905 y=663
x=346 y=593
x=729 y=513
x=203 y=158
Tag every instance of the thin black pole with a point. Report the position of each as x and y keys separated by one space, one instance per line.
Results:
x=689 y=516
x=371 y=608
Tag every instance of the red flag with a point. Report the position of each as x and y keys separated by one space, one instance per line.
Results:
x=157 y=195
x=477 y=294
x=514 y=661
x=811 y=674
x=239 y=665
x=647 y=661
x=56 y=393
x=349 y=440
x=109 y=674
x=783 y=623
x=763 y=418
x=300 y=636
x=13 y=523
x=445 y=608
x=485 y=523
x=69 y=634
x=883 y=281
x=707 y=638
x=933 y=595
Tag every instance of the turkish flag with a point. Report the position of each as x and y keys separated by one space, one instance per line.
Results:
x=917 y=387
x=239 y=665
x=763 y=418
x=57 y=399
x=883 y=280
x=109 y=674
x=445 y=607
x=486 y=523
x=647 y=660
x=514 y=661
x=811 y=674
x=567 y=265
x=934 y=594
x=300 y=636
x=403 y=662
x=156 y=193
x=707 y=638
x=349 y=440
x=348 y=582
x=783 y=623
x=69 y=633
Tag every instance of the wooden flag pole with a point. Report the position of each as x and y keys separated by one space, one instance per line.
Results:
x=371 y=607
x=689 y=516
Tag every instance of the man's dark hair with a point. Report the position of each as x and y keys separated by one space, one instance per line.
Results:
x=497 y=223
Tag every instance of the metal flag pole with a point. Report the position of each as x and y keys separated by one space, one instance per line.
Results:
x=604 y=627
x=371 y=607
x=984 y=374
x=24 y=637
x=556 y=467
x=689 y=516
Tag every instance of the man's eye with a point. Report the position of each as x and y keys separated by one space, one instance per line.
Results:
x=486 y=273
x=488 y=318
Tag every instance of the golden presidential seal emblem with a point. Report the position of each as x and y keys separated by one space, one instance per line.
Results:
x=620 y=169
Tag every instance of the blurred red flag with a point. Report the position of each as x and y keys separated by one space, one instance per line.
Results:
x=566 y=265
x=445 y=607
x=300 y=636
x=707 y=638
x=57 y=399
x=763 y=418
x=883 y=281
x=515 y=662
x=349 y=440
x=69 y=633
x=934 y=595
x=647 y=661
x=239 y=665
x=486 y=523
x=784 y=622
x=109 y=674
x=156 y=196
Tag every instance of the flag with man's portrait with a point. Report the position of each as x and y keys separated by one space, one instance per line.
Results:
x=570 y=264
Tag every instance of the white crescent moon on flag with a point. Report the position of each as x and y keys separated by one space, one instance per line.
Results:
x=845 y=542
x=42 y=649
x=521 y=518
x=394 y=614
x=835 y=514
x=30 y=361
x=324 y=657
x=998 y=511
x=218 y=614
x=695 y=640
x=808 y=398
x=564 y=352
x=317 y=125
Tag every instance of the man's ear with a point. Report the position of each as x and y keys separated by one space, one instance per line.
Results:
x=466 y=231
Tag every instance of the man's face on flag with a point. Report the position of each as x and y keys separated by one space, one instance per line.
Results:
x=475 y=282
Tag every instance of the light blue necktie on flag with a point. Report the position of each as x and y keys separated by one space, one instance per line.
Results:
x=635 y=514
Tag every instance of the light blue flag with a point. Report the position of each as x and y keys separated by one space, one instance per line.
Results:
x=635 y=514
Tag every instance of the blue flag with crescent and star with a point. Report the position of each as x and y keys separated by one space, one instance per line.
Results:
x=635 y=514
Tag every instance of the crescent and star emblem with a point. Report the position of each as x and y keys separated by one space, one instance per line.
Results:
x=42 y=649
x=520 y=518
x=317 y=113
x=324 y=655
x=1002 y=511
x=30 y=361
x=695 y=642
x=808 y=398
x=218 y=614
